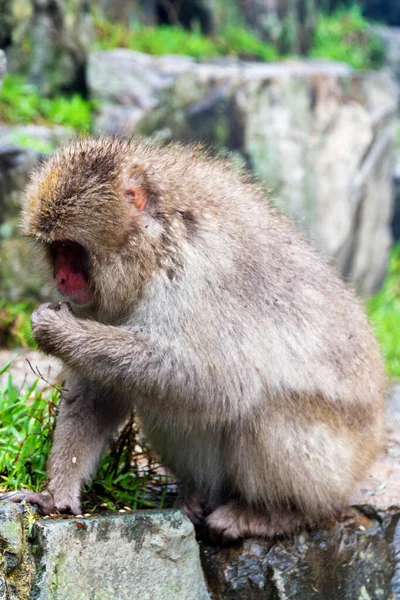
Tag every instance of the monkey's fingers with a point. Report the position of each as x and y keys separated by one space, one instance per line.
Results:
x=43 y=500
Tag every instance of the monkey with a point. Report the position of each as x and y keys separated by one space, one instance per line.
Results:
x=189 y=296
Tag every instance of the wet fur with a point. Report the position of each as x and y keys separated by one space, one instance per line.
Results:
x=250 y=363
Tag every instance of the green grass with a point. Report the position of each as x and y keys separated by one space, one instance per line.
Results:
x=26 y=424
x=15 y=324
x=20 y=104
x=27 y=419
x=345 y=36
x=236 y=41
x=384 y=313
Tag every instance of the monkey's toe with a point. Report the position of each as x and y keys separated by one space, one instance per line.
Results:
x=43 y=500
x=223 y=523
x=68 y=507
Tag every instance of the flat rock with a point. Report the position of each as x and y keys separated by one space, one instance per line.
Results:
x=317 y=134
x=143 y=555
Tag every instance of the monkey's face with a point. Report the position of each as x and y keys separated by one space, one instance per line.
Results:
x=86 y=208
x=71 y=271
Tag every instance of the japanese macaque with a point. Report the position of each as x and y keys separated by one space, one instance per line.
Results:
x=251 y=365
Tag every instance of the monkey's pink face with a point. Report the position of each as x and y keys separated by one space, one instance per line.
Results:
x=71 y=271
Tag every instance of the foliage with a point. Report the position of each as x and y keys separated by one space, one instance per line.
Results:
x=238 y=41
x=27 y=420
x=15 y=327
x=170 y=39
x=384 y=312
x=26 y=140
x=20 y=103
x=345 y=36
x=26 y=423
x=128 y=475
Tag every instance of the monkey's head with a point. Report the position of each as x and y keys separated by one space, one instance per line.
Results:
x=86 y=209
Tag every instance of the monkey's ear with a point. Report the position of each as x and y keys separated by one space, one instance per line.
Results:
x=136 y=196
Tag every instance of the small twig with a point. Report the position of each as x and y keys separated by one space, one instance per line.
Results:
x=38 y=374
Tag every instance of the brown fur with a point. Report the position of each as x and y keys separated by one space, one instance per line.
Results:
x=250 y=363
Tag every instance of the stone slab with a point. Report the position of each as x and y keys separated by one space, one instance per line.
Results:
x=144 y=555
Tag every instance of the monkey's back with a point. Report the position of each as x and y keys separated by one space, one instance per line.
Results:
x=277 y=338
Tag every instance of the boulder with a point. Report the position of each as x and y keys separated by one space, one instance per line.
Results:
x=11 y=537
x=396 y=212
x=21 y=149
x=143 y=555
x=17 y=276
x=50 y=39
x=3 y=65
x=319 y=136
x=390 y=36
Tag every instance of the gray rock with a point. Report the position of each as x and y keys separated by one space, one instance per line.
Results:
x=17 y=275
x=11 y=537
x=49 y=44
x=351 y=561
x=34 y=137
x=21 y=149
x=391 y=39
x=396 y=212
x=317 y=134
x=145 y=555
x=3 y=65
x=3 y=588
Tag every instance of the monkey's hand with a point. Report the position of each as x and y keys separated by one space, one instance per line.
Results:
x=46 y=502
x=49 y=321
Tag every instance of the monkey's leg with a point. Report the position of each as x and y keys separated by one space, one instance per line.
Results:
x=86 y=421
x=234 y=520
x=192 y=504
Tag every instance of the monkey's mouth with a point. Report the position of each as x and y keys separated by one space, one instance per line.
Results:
x=71 y=273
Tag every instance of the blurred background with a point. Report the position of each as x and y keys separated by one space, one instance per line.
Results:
x=303 y=92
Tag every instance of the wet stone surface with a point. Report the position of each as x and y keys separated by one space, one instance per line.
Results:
x=352 y=560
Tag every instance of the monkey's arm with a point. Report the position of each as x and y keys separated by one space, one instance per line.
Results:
x=107 y=354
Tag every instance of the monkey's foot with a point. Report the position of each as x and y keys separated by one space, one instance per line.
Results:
x=45 y=502
x=192 y=505
x=234 y=521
